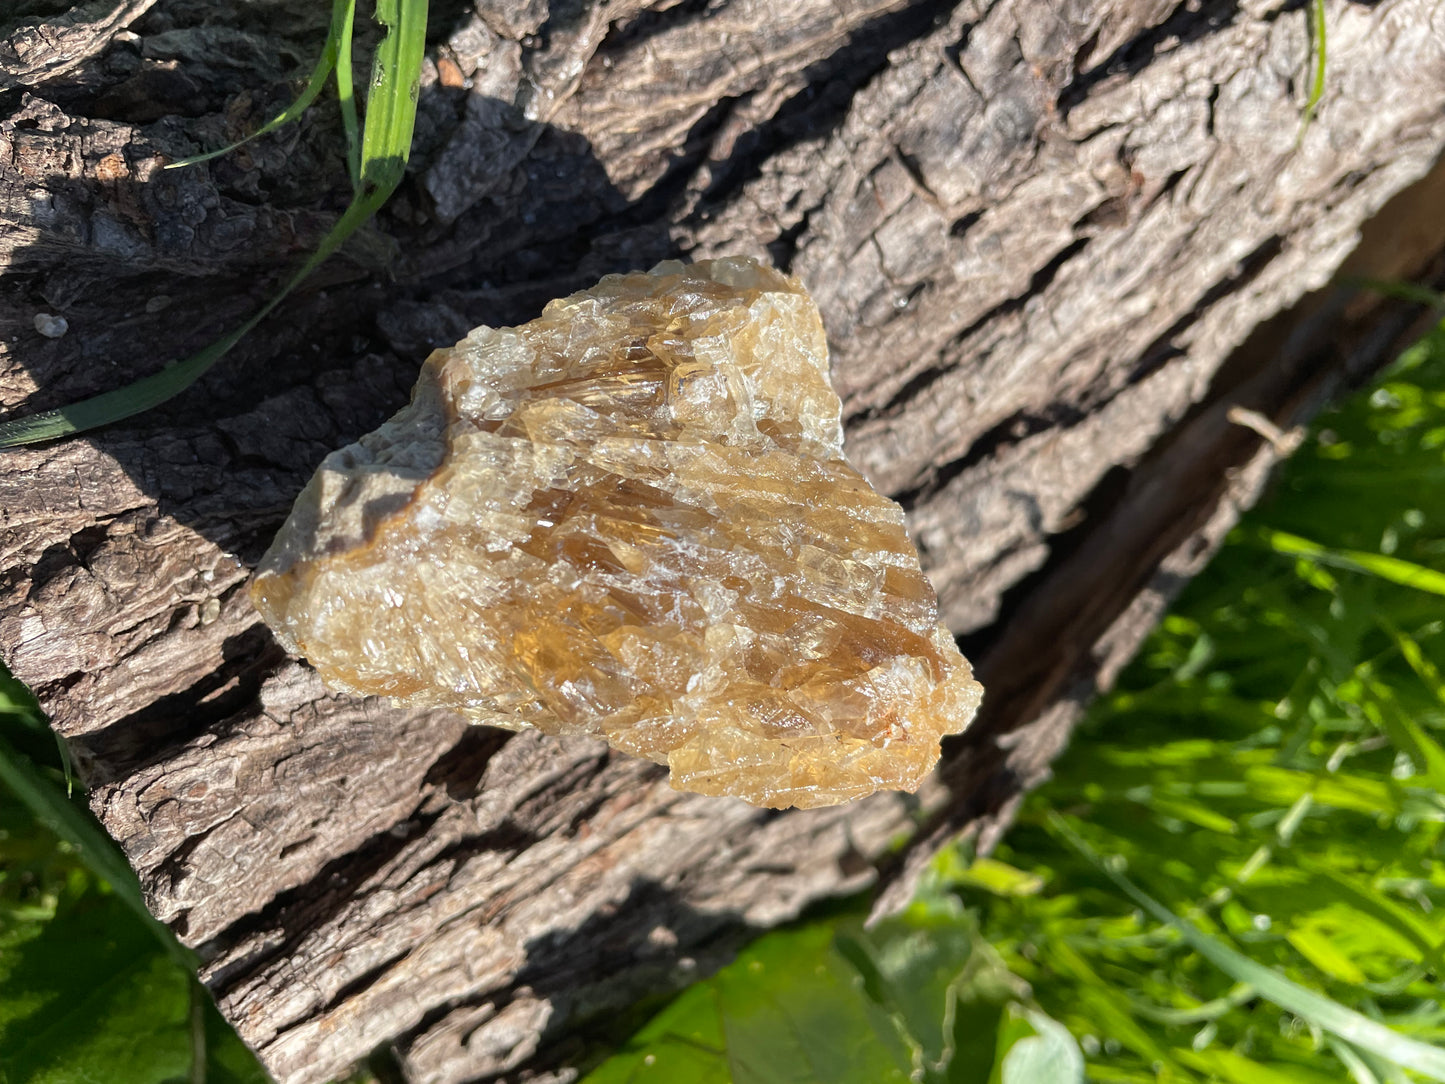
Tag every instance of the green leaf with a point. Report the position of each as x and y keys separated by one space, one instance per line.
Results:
x=1372 y=902
x=1319 y=948
x=92 y=995
x=1234 y=1067
x=54 y=810
x=1283 y=787
x=385 y=147
x=346 y=96
x=942 y=985
x=91 y=986
x=1393 y=569
x=991 y=875
x=391 y=105
x=87 y=994
x=789 y=1010
x=1047 y=1055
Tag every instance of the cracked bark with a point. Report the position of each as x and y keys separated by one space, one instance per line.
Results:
x=1053 y=244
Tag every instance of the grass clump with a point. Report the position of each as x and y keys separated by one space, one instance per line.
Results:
x=1271 y=770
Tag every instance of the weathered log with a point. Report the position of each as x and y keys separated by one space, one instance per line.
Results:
x=1057 y=247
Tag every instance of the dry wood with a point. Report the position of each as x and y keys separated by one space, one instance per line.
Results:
x=1055 y=245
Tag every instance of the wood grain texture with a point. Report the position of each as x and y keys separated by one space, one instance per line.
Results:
x=1054 y=245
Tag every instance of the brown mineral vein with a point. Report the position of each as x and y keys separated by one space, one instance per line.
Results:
x=632 y=518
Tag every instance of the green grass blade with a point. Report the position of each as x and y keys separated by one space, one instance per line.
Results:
x=1393 y=569
x=1377 y=905
x=1413 y=654
x=391 y=104
x=1317 y=36
x=338 y=44
x=51 y=808
x=1424 y=750
x=346 y=95
x=385 y=147
x=124 y=402
x=1322 y=1012
x=151 y=391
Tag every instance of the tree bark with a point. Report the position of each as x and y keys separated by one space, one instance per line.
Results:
x=1074 y=259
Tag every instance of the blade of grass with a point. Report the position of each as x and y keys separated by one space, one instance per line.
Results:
x=337 y=46
x=1322 y=1012
x=1380 y=907
x=385 y=146
x=1413 y=654
x=391 y=103
x=346 y=96
x=1409 y=735
x=1393 y=569
x=1317 y=84
x=1317 y=87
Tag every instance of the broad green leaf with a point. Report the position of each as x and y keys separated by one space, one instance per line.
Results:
x=917 y=998
x=1047 y=1056
x=50 y=806
x=92 y=988
x=789 y=1010
x=91 y=996
x=941 y=984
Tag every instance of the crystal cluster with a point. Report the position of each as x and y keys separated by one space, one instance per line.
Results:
x=632 y=519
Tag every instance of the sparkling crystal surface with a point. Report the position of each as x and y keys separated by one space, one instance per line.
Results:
x=632 y=518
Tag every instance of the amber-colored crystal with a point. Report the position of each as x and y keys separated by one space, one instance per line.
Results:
x=632 y=518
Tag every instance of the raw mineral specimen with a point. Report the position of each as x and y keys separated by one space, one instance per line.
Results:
x=632 y=518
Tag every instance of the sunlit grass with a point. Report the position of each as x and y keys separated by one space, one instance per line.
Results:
x=1271 y=770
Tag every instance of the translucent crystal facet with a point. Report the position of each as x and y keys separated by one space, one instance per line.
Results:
x=632 y=518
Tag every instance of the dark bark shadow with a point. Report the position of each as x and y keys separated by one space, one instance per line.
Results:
x=640 y=953
x=498 y=215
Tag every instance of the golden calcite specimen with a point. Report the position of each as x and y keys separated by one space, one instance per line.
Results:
x=631 y=518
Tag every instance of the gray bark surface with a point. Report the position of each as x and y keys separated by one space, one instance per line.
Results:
x=1072 y=257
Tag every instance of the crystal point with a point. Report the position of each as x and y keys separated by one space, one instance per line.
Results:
x=631 y=518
